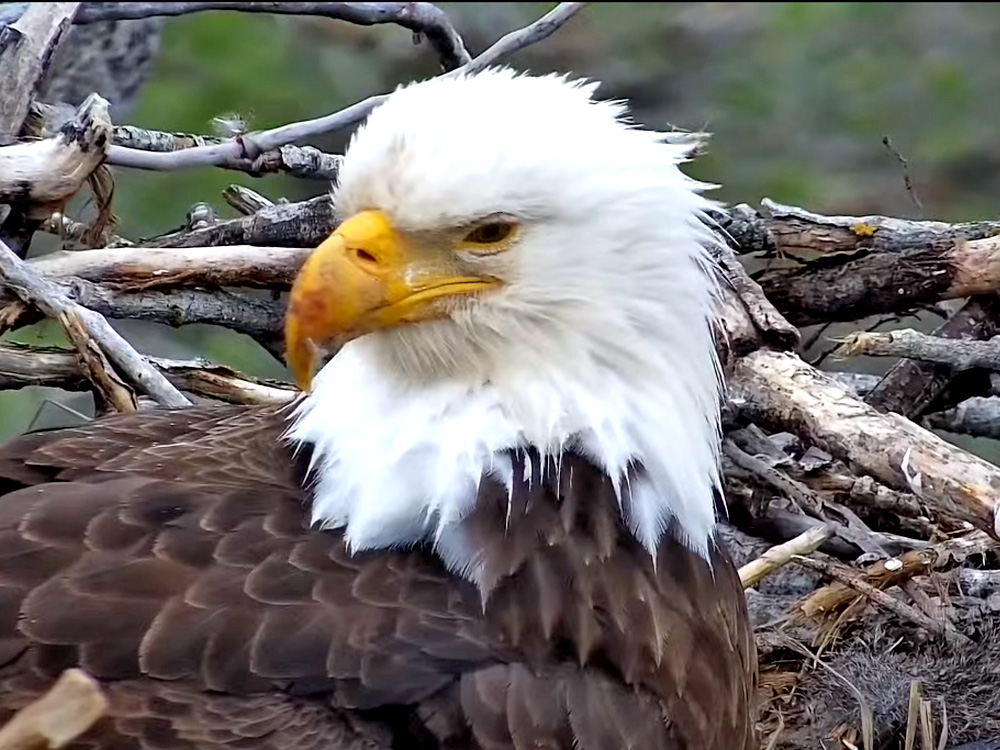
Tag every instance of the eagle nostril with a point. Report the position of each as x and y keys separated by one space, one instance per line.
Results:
x=365 y=257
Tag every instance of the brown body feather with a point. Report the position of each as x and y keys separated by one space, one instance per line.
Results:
x=169 y=554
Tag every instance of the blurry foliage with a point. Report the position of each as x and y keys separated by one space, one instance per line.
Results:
x=797 y=96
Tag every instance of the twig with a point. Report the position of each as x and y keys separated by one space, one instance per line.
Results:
x=77 y=233
x=245 y=200
x=253 y=144
x=958 y=354
x=424 y=19
x=757 y=570
x=906 y=172
x=886 y=573
x=92 y=336
x=783 y=392
x=38 y=33
x=69 y=708
x=895 y=606
x=22 y=366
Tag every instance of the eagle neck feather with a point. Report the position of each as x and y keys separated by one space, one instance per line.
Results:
x=395 y=464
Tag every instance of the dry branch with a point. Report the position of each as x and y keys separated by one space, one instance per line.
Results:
x=92 y=336
x=850 y=267
x=252 y=145
x=142 y=269
x=885 y=573
x=780 y=555
x=911 y=385
x=286 y=225
x=424 y=19
x=958 y=354
x=780 y=390
x=22 y=366
x=69 y=708
x=26 y=47
x=54 y=169
x=978 y=416
x=904 y=611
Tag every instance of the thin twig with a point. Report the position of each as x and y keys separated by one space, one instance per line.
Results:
x=252 y=145
x=906 y=172
x=895 y=606
x=92 y=336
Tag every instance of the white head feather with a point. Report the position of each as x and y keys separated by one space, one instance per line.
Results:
x=599 y=340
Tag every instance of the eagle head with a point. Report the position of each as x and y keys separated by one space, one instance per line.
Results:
x=517 y=266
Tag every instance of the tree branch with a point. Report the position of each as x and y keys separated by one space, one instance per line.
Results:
x=307 y=223
x=958 y=354
x=92 y=336
x=978 y=416
x=22 y=366
x=144 y=269
x=782 y=391
x=425 y=19
x=910 y=385
x=250 y=146
x=845 y=267
x=26 y=47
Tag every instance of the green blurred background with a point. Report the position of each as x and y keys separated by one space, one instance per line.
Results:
x=798 y=97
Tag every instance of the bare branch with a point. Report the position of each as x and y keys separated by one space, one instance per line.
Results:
x=245 y=200
x=780 y=555
x=92 y=336
x=54 y=169
x=142 y=269
x=846 y=267
x=253 y=144
x=887 y=573
x=284 y=225
x=67 y=710
x=305 y=162
x=781 y=390
x=959 y=354
x=910 y=385
x=26 y=47
x=424 y=19
x=978 y=416
x=904 y=611
x=22 y=366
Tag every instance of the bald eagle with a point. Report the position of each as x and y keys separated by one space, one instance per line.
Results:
x=489 y=521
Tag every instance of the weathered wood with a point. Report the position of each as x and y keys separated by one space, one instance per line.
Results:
x=781 y=390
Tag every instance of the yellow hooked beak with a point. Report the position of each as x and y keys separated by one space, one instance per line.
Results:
x=364 y=277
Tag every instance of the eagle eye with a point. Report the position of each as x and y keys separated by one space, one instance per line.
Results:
x=490 y=233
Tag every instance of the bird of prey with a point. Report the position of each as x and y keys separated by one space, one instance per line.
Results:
x=490 y=520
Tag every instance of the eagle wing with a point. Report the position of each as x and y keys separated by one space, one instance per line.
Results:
x=169 y=554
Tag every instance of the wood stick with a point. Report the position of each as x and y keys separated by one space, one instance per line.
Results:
x=780 y=390
x=39 y=30
x=780 y=555
x=69 y=708
x=93 y=338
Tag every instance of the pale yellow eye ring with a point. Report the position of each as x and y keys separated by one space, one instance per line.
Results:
x=491 y=235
